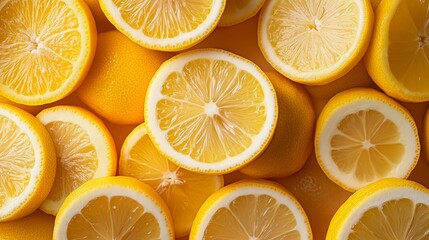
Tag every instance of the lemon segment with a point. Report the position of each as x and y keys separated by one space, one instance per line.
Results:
x=183 y=191
x=27 y=163
x=164 y=25
x=362 y=136
x=251 y=209
x=113 y=208
x=314 y=42
x=387 y=209
x=45 y=52
x=210 y=111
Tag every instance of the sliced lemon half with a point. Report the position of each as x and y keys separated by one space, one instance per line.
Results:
x=398 y=57
x=164 y=25
x=315 y=41
x=27 y=163
x=387 y=209
x=46 y=48
x=251 y=209
x=114 y=207
x=85 y=150
x=362 y=136
x=210 y=110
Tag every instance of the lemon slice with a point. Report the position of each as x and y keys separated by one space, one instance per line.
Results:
x=314 y=41
x=47 y=47
x=113 y=208
x=182 y=190
x=27 y=163
x=251 y=209
x=85 y=150
x=362 y=136
x=237 y=11
x=398 y=57
x=210 y=111
x=164 y=25
x=387 y=209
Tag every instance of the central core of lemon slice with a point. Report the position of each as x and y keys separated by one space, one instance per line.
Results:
x=367 y=145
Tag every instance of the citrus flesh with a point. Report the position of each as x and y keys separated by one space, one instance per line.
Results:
x=362 y=136
x=27 y=163
x=183 y=191
x=113 y=208
x=46 y=49
x=85 y=150
x=314 y=42
x=164 y=25
x=388 y=209
x=397 y=58
x=251 y=209
x=210 y=111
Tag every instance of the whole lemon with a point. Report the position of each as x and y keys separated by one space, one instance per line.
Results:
x=116 y=84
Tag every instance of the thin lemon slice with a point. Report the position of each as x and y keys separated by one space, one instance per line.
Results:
x=46 y=48
x=27 y=163
x=314 y=41
x=85 y=150
x=182 y=190
x=251 y=209
x=113 y=208
x=387 y=209
x=210 y=111
x=164 y=25
x=362 y=136
x=237 y=11
x=398 y=57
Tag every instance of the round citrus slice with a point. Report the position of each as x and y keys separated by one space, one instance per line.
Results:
x=210 y=111
x=182 y=190
x=47 y=47
x=388 y=209
x=362 y=136
x=398 y=56
x=251 y=209
x=27 y=163
x=237 y=11
x=85 y=150
x=164 y=25
x=114 y=208
x=314 y=41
